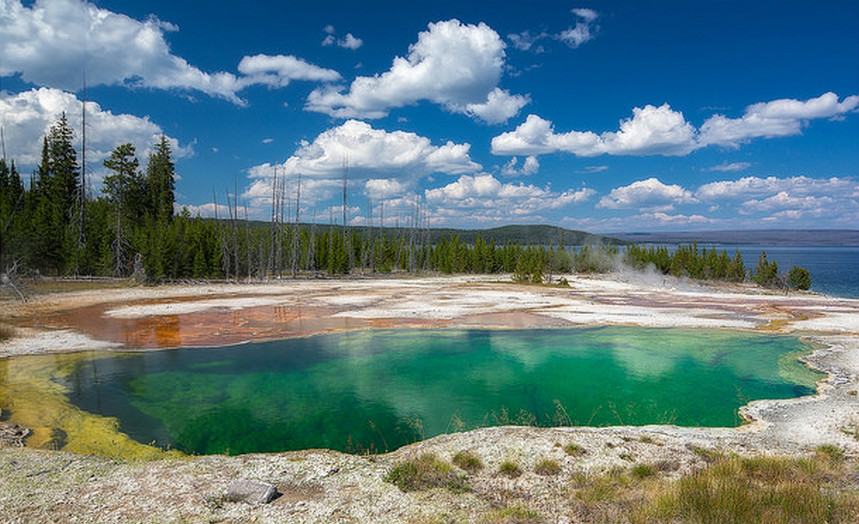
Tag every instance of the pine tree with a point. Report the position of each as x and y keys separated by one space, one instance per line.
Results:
x=119 y=187
x=55 y=199
x=160 y=182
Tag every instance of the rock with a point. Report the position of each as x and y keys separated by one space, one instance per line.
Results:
x=251 y=491
x=13 y=435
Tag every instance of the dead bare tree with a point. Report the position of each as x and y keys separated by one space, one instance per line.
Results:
x=10 y=279
x=295 y=233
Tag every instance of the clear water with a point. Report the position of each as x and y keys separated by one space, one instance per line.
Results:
x=378 y=390
x=834 y=269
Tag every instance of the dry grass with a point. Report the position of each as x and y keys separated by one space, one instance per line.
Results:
x=6 y=333
x=547 y=467
x=510 y=469
x=425 y=472
x=821 y=489
x=468 y=461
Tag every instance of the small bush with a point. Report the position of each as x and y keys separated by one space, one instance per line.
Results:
x=510 y=469
x=425 y=472
x=574 y=450
x=799 y=278
x=708 y=455
x=547 y=467
x=6 y=333
x=830 y=452
x=513 y=515
x=642 y=471
x=761 y=489
x=468 y=461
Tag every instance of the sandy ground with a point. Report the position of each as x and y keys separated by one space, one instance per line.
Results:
x=326 y=486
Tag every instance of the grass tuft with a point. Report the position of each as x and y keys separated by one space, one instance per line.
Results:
x=6 y=333
x=574 y=450
x=513 y=515
x=510 y=469
x=643 y=471
x=761 y=489
x=468 y=461
x=426 y=472
x=829 y=452
x=547 y=467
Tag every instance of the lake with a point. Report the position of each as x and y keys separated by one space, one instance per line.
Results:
x=376 y=390
x=834 y=269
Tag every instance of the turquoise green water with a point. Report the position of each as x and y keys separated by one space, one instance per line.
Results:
x=378 y=390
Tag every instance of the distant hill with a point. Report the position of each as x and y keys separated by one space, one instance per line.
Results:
x=517 y=234
x=526 y=234
x=767 y=237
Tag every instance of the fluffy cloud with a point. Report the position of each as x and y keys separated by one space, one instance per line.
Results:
x=376 y=150
x=755 y=187
x=486 y=199
x=279 y=70
x=582 y=31
x=452 y=64
x=651 y=131
x=785 y=200
x=347 y=42
x=574 y=36
x=529 y=167
x=663 y=131
x=51 y=42
x=782 y=201
x=27 y=116
x=783 y=117
x=650 y=194
x=387 y=163
x=384 y=188
x=499 y=107
x=733 y=166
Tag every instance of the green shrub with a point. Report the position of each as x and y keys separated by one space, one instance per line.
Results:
x=510 y=469
x=547 y=467
x=574 y=450
x=468 y=461
x=799 y=278
x=425 y=472
x=642 y=471
x=830 y=452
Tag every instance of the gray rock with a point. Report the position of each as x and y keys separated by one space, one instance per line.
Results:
x=13 y=435
x=251 y=491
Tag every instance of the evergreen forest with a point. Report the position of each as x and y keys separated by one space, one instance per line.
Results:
x=54 y=226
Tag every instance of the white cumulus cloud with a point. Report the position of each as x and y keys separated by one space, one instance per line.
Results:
x=392 y=161
x=756 y=187
x=349 y=41
x=663 y=131
x=529 y=167
x=651 y=131
x=650 y=194
x=452 y=64
x=583 y=30
x=27 y=116
x=279 y=70
x=484 y=198
x=733 y=166
x=52 y=42
x=777 y=118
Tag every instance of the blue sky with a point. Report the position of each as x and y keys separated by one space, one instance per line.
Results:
x=602 y=116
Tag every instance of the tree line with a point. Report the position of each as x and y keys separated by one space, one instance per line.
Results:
x=54 y=226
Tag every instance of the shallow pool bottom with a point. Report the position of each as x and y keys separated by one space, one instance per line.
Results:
x=376 y=390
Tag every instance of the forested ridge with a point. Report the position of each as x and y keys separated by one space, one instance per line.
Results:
x=54 y=226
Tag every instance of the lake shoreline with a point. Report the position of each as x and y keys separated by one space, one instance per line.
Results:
x=325 y=481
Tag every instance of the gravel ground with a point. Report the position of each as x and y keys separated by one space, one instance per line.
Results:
x=327 y=486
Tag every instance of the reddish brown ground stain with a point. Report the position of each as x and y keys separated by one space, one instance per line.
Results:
x=212 y=327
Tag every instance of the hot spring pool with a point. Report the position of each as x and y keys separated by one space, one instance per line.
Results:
x=378 y=390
